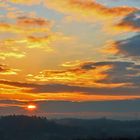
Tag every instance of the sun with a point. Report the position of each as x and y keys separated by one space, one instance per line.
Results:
x=31 y=107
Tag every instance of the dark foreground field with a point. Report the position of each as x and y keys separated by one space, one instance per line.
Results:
x=37 y=128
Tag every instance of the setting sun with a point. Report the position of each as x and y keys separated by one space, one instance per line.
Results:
x=31 y=107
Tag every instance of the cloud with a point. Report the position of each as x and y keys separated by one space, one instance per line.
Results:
x=128 y=48
x=130 y=23
x=11 y=103
x=46 y=42
x=108 y=77
x=28 y=21
x=80 y=75
x=10 y=11
x=81 y=81
x=90 y=78
x=85 y=9
x=29 y=2
x=122 y=72
x=5 y=70
x=93 y=74
x=28 y=32
x=89 y=9
x=4 y=55
x=21 y=24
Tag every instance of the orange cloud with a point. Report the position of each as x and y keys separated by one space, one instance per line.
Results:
x=5 y=70
x=22 y=92
x=29 y=32
x=130 y=23
x=46 y=42
x=4 y=55
x=88 y=9
x=86 y=74
x=126 y=27
x=92 y=11
x=29 y=2
x=18 y=93
x=110 y=48
x=76 y=76
x=28 y=21
x=26 y=26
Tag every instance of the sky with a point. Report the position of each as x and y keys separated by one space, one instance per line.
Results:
x=70 y=58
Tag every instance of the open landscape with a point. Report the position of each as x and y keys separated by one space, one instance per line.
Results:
x=40 y=128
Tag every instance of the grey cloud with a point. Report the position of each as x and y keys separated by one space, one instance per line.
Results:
x=130 y=47
x=122 y=72
x=132 y=20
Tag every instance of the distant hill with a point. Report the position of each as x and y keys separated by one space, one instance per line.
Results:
x=40 y=128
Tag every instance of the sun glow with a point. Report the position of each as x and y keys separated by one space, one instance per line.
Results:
x=31 y=107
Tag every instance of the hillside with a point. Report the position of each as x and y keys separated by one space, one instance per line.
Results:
x=39 y=128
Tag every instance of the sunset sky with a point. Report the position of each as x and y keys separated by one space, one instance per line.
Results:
x=71 y=58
